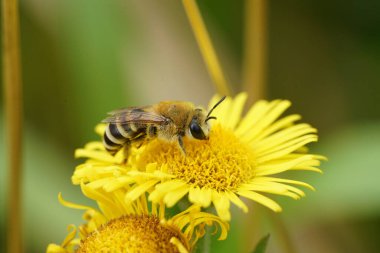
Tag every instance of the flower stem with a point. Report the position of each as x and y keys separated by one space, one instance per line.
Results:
x=285 y=239
x=255 y=49
x=206 y=241
x=253 y=77
x=13 y=111
x=206 y=47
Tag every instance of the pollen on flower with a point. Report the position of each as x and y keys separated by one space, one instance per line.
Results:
x=221 y=163
x=133 y=233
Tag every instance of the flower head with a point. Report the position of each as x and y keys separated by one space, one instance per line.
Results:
x=134 y=227
x=240 y=158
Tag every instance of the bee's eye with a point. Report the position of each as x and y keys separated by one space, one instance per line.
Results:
x=196 y=131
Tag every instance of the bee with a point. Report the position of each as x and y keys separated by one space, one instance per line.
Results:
x=170 y=121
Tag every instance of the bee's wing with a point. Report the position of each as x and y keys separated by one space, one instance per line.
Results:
x=135 y=115
x=131 y=108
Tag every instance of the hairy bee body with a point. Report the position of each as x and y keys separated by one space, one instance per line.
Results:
x=168 y=120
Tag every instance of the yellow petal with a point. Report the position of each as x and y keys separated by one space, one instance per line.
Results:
x=272 y=112
x=104 y=201
x=276 y=126
x=252 y=117
x=54 y=248
x=200 y=196
x=98 y=155
x=118 y=183
x=94 y=145
x=274 y=188
x=283 y=136
x=180 y=247
x=70 y=204
x=261 y=199
x=99 y=183
x=100 y=129
x=174 y=196
x=70 y=236
x=140 y=189
x=222 y=205
x=279 y=166
x=223 y=110
x=235 y=110
x=283 y=180
x=285 y=151
x=161 y=189
x=237 y=201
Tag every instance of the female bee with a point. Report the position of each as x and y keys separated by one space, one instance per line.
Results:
x=168 y=120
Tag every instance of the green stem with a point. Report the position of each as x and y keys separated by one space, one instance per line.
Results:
x=255 y=49
x=206 y=47
x=285 y=239
x=206 y=241
x=13 y=112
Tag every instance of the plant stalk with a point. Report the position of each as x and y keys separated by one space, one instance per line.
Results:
x=205 y=45
x=13 y=116
x=255 y=49
x=285 y=241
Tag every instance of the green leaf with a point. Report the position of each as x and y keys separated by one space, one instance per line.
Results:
x=262 y=245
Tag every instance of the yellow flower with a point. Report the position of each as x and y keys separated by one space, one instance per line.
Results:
x=239 y=159
x=132 y=227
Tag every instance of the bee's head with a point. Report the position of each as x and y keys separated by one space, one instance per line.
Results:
x=199 y=127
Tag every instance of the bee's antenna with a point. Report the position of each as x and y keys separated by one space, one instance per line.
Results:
x=212 y=117
x=208 y=114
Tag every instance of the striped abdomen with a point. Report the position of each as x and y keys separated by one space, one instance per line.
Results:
x=118 y=135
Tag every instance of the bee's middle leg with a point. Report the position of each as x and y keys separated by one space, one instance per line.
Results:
x=127 y=149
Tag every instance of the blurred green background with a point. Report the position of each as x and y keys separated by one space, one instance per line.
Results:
x=84 y=58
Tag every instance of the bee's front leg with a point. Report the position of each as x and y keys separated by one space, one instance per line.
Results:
x=180 y=143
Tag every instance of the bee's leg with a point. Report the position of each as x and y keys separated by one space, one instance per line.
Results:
x=180 y=143
x=138 y=145
x=127 y=148
x=139 y=140
x=151 y=131
x=143 y=138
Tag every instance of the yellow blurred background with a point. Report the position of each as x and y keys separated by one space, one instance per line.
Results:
x=81 y=59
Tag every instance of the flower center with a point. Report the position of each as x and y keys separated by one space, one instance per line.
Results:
x=132 y=233
x=220 y=163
